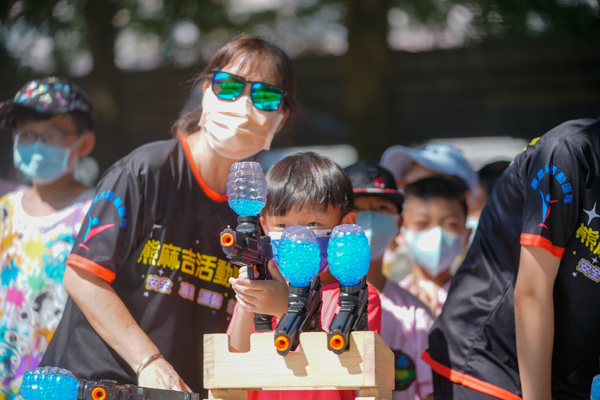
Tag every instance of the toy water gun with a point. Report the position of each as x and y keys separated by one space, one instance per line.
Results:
x=299 y=258
x=348 y=256
x=52 y=383
x=245 y=246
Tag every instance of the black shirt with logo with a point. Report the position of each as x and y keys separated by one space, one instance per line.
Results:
x=152 y=232
x=549 y=197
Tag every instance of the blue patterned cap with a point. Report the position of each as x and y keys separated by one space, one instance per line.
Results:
x=48 y=95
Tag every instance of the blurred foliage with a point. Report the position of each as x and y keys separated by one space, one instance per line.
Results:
x=522 y=18
x=217 y=20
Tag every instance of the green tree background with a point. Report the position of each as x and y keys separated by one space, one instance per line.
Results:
x=365 y=66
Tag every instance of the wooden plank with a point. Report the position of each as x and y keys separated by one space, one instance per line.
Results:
x=367 y=366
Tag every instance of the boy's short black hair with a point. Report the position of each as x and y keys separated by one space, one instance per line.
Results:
x=307 y=180
x=437 y=187
x=490 y=173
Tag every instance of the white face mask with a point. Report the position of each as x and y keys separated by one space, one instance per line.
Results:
x=236 y=129
x=434 y=249
x=380 y=229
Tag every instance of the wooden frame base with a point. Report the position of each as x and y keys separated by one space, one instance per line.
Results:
x=368 y=366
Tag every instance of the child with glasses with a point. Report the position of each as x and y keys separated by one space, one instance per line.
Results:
x=302 y=189
x=52 y=121
x=147 y=275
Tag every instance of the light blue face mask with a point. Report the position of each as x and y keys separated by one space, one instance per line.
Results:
x=322 y=239
x=434 y=249
x=41 y=162
x=380 y=229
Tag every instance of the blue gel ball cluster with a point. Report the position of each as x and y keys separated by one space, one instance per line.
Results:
x=246 y=188
x=299 y=255
x=49 y=383
x=245 y=207
x=348 y=254
x=595 y=395
x=299 y=261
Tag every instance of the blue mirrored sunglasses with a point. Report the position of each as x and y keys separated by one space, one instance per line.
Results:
x=228 y=86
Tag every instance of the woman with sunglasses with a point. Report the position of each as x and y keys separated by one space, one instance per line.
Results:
x=147 y=276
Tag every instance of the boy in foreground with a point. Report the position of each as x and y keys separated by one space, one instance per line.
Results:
x=303 y=189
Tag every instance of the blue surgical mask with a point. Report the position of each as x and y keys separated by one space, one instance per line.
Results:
x=41 y=162
x=380 y=229
x=322 y=239
x=434 y=249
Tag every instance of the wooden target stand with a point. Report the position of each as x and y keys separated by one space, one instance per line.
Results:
x=368 y=366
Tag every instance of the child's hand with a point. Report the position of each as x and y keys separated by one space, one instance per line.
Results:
x=263 y=297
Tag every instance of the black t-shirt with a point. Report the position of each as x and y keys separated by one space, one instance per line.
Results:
x=549 y=197
x=153 y=233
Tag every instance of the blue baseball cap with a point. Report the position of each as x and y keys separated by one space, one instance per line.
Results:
x=438 y=157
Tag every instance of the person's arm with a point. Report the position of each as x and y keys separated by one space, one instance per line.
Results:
x=113 y=322
x=255 y=296
x=534 y=320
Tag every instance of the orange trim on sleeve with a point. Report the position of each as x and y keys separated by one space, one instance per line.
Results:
x=209 y=192
x=467 y=380
x=75 y=260
x=528 y=239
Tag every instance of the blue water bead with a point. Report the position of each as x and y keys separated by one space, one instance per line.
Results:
x=348 y=254
x=246 y=180
x=299 y=261
x=595 y=395
x=49 y=383
x=245 y=207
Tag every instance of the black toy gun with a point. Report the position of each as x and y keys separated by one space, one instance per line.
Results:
x=303 y=315
x=110 y=390
x=244 y=246
x=353 y=316
x=56 y=383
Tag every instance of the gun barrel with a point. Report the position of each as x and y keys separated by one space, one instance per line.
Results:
x=337 y=342
x=227 y=239
x=282 y=344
